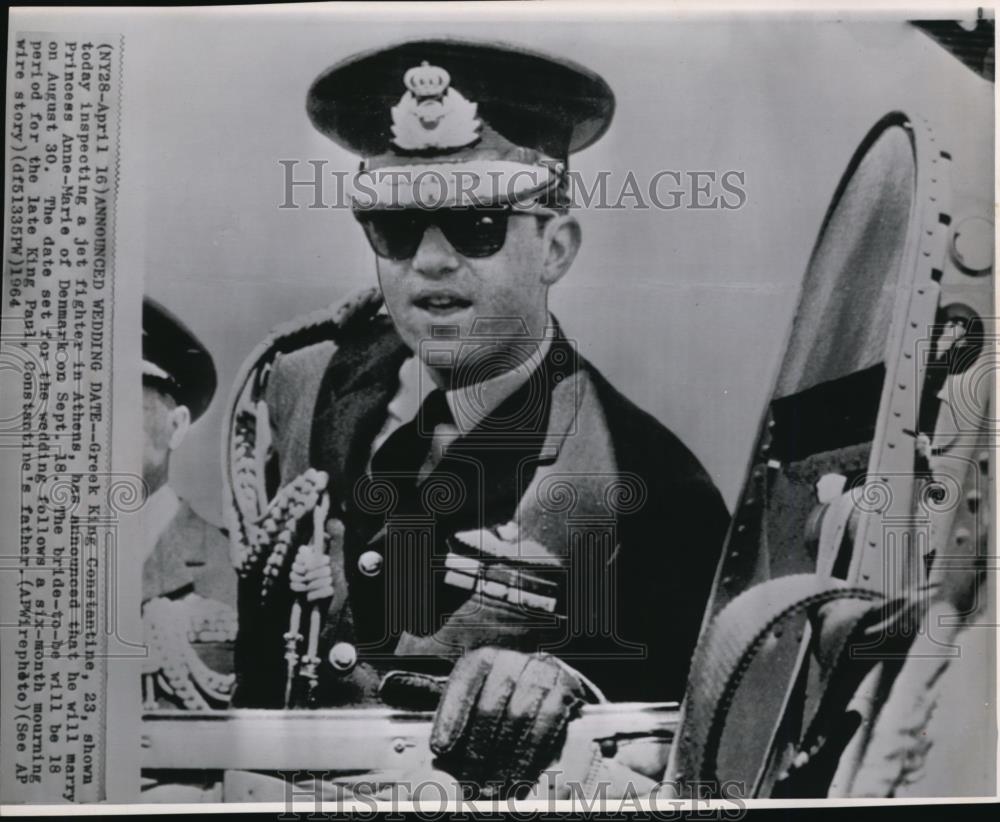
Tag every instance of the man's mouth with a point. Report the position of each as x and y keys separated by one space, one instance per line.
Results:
x=441 y=302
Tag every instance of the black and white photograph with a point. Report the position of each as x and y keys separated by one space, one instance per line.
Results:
x=507 y=406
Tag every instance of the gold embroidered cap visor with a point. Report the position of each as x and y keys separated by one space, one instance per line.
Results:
x=446 y=123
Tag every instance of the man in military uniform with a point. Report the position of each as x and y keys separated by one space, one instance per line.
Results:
x=496 y=531
x=186 y=558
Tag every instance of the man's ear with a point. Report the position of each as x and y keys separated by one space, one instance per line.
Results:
x=561 y=241
x=179 y=422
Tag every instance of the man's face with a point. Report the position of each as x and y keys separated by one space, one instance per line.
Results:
x=505 y=296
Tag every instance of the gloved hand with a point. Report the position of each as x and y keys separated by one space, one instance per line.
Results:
x=502 y=719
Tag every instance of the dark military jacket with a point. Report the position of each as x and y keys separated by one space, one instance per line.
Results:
x=620 y=530
x=190 y=556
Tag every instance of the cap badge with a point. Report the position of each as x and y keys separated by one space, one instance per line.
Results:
x=432 y=115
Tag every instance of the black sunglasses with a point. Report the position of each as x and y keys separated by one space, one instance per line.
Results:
x=396 y=234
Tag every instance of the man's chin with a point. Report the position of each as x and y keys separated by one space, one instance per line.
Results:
x=464 y=325
x=436 y=334
x=467 y=362
x=449 y=345
x=438 y=349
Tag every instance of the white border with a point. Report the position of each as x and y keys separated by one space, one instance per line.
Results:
x=550 y=10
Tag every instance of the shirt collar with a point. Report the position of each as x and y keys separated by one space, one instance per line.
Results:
x=471 y=404
x=161 y=507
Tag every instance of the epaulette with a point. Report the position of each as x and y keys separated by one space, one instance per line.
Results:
x=250 y=515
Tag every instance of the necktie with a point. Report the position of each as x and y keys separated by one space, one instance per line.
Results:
x=416 y=447
x=404 y=535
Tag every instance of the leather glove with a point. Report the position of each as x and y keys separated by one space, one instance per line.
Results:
x=502 y=719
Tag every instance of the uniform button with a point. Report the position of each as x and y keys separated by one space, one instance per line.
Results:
x=370 y=563
x=343 y=656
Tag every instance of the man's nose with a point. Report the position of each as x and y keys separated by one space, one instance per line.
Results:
x=435 y=256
